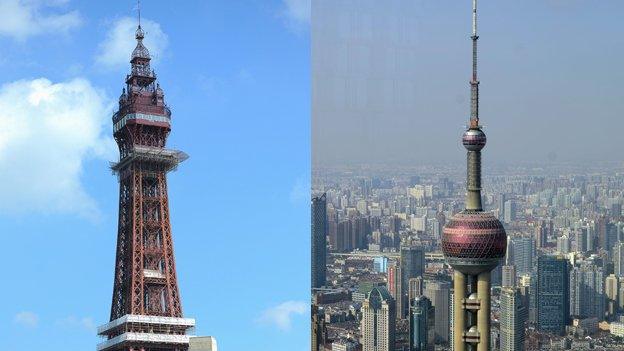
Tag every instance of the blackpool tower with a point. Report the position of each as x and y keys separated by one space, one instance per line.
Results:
x=473 y=241
x=146 y=313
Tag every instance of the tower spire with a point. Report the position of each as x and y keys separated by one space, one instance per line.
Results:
x=474 y=139
x=139 y=11
x=474 y=82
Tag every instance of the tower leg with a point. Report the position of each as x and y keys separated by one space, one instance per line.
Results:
x=483 y=315
x=459 y=319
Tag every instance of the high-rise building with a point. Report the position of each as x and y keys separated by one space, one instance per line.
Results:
x=412 y=266
x=541 y=235
x=587 y=290
x=510 y=211
x=512 y=319
x=563 y=244
x=581 y=240
x=438 y=292
x=378 y=323
x=319 y=247
x=418 y=323
x=602 y=232
x=509 y=276
x=522 y=252
x=618 y=259
x=621 y=295
x=501 y=206
x=146 y=311
x=416 y=288
x=473 y=241
x=553 y=289
x=611 y=292
x=318 y=331
x=394 y=284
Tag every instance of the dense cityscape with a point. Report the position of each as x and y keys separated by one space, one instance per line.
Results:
x=559 y=286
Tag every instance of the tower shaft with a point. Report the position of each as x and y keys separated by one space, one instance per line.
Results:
x=146 y=311
x=473 y=181
x=473 y=241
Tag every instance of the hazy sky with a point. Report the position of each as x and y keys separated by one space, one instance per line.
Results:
x=390 y=79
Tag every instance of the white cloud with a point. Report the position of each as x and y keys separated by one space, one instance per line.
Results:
x=48 y=132
x=298 y=11
x=73 y=322
x=117 y=47
x=281 y=315
x=27 y=319
x=21 y=19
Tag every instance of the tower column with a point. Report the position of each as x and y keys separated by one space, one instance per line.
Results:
x=473 y=181
x=483 y=315
x=459 y=314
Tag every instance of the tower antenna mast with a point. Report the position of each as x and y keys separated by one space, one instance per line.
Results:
x=474 y=82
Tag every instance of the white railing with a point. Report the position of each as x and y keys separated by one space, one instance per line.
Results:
x=144 y=337
x=157 y=320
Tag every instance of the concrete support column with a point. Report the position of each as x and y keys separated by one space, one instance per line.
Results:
x=483 y=315
x=459 y=314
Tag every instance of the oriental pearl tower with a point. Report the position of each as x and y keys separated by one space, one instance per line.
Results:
x=473 y=241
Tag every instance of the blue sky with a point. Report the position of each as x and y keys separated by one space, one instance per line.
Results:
x=236 y=75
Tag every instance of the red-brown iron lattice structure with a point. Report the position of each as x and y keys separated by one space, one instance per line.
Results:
x=146 y=312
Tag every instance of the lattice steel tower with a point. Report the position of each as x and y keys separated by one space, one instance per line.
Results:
x=146 y=313
x=473 y=241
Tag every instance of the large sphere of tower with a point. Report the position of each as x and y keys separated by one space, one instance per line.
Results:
x=474 y=139
x=474 y=242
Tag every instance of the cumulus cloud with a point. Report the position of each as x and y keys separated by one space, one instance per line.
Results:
x=21 y=19
x=26 y=319
x=281 y=315
x=48 y=132
x=117 y=47
x=73 y=322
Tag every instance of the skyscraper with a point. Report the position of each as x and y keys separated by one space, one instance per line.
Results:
x=563 y=244
x=146 y=311
x=473 y=241
x=512 y=319
x=418 y=323
x=618 y=259
x=416 y=288
x=553 y=291
x=317 y=329
x=522 y=254
x=438 y=292
x=412 y=266
x=378 y=321
x=541 y=235
x=587 y=290
x=510 y=211
x=319 y=230
x=394 y=284
x=509 y=276
x=611 y=292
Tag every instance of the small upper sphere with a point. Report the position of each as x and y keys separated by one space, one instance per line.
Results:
x=474 y=139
